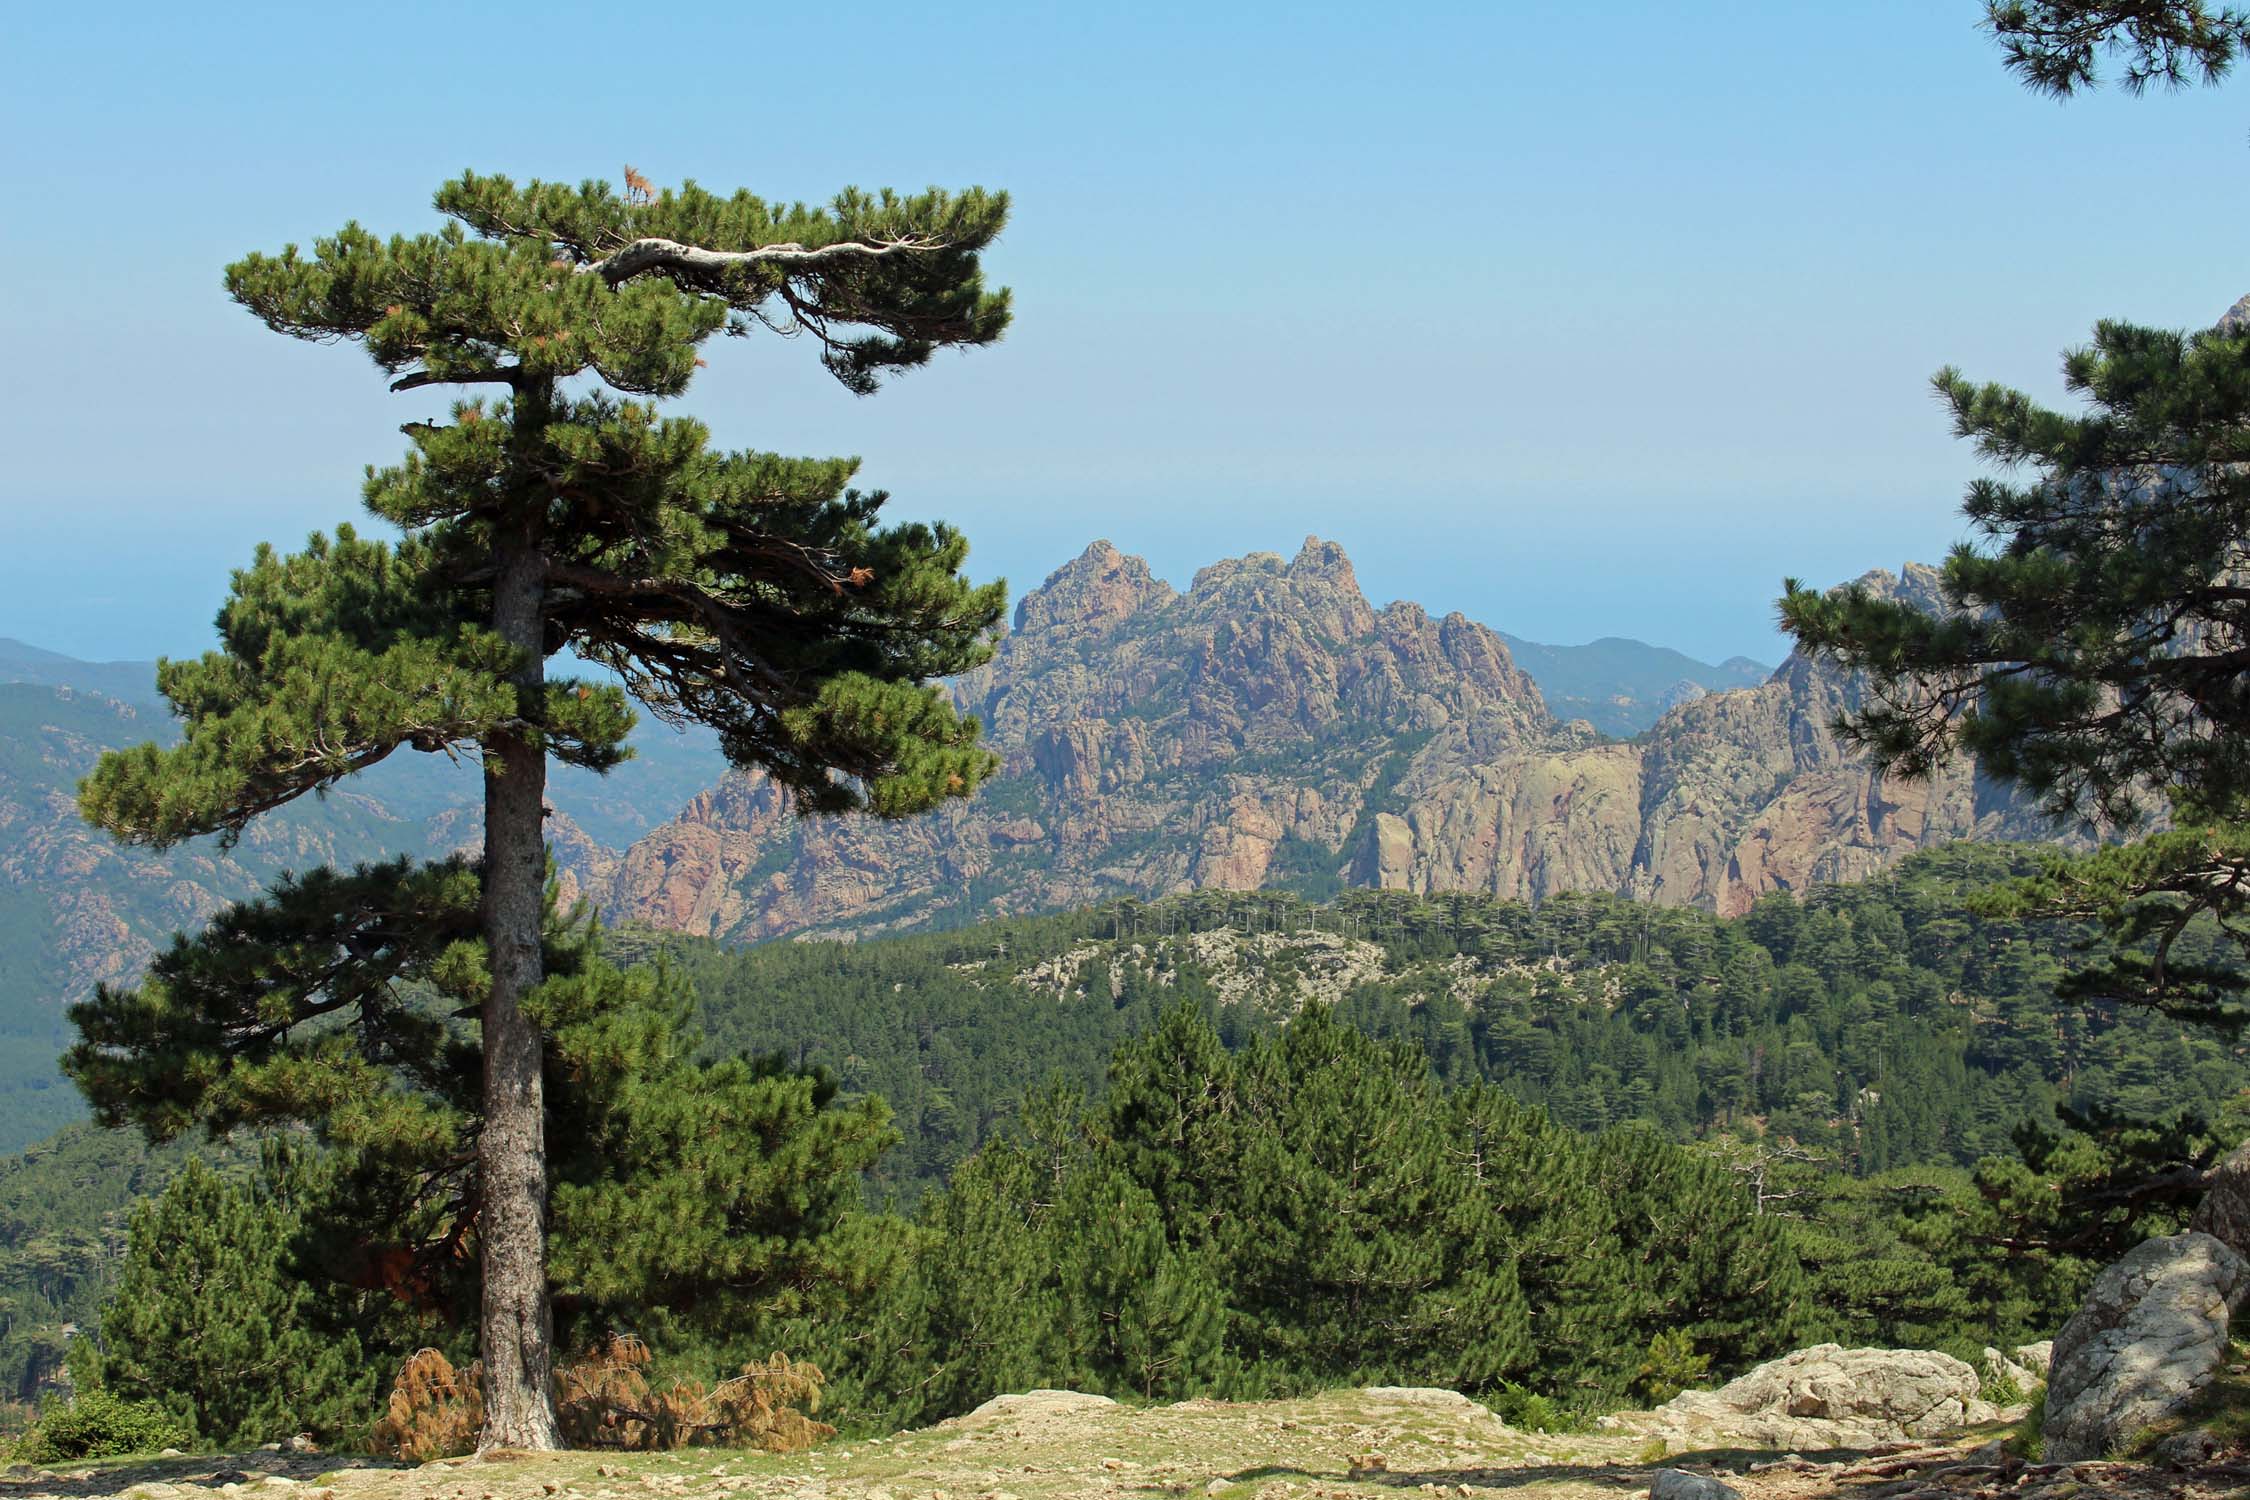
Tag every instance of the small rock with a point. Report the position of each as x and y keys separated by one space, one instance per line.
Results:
x=1678 y=1484
x=172 y=1453
x=1214 y=1487
x=269 y=1447
x=2186 y=1450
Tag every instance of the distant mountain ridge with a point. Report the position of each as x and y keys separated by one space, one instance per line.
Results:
x=1621 y=686
x=1268 y=727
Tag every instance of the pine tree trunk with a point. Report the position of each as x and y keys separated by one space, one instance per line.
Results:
x=517 y=1327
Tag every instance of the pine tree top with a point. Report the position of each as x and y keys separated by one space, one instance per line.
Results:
x=748 y=591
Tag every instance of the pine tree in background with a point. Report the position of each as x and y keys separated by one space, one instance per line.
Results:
x=210 y=1320
x=2096 y=660
x=742 y=590
x=1353 y=1242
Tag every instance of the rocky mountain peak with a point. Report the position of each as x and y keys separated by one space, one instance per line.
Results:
x=1317 y=586
x=1092 y=591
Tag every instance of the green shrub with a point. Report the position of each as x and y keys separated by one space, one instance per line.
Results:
x=1670 y=1366
x=1999 y=1388
x=99 y=1425
x=1528 y=1411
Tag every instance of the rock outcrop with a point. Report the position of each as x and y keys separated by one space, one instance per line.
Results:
x=1823 y=1397
x=1270 y=727
x=2224 y=1213
x=2152 y=1335
x=2000 y=1367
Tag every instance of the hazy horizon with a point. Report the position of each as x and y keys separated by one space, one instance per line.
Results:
x=1579 y=335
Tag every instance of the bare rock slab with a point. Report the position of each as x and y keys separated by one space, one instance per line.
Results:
x=1825 y=1397
x=2152 y=1334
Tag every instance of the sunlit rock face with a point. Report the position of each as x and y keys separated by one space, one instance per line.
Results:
x=1268 y=726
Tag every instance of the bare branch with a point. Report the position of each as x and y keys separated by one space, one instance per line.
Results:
x=507 y=376
x=670 y=255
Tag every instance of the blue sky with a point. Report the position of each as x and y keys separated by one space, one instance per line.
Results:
x=1579 y=327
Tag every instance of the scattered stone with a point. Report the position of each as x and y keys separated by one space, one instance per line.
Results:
x=2037 y=1358
x=2152 y=1334
x=1678 y=1484
x=172 y=1453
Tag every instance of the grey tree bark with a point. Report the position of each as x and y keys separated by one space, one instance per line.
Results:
x=516 y=1328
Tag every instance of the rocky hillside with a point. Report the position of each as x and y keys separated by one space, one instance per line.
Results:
x=1268 y=727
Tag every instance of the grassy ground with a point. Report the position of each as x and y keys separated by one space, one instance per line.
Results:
x=1346 y=1443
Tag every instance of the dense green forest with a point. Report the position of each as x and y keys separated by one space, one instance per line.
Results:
x=1879 y=1023
x=1855 y=1094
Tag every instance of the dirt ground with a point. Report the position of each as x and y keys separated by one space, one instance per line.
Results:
x=1345 y=1443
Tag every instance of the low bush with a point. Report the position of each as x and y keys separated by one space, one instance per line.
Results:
x=99 y=1425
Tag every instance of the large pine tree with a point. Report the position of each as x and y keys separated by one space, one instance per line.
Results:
x=746 y=591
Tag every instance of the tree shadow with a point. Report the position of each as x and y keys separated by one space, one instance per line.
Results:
x=110 y=1476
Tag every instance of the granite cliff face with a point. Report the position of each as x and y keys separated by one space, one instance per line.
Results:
x=1269 y=727
x=1730 y=796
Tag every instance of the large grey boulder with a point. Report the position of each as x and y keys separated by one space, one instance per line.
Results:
x=1824 y=1397
x=2152 y=1334
x=2224 y=1213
